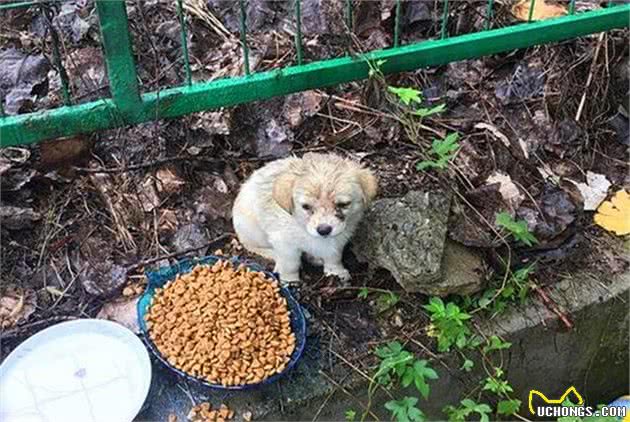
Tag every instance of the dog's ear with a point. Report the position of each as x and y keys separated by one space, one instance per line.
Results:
x=282 y=191
x=369 y=184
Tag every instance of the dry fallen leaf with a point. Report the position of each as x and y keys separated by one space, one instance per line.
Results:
x=594 y=191
x=509 y=191
x=614 y=215
x=168 y=180
x=495 y=131
x=16 y=305
x=147 y=194
x=542 y=10
x=122 y=311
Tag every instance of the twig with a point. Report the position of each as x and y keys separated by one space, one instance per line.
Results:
x=146 y=165
x=321 y=407
x=553 y=307
x=362 y=373
x=349 y=394
x=176 y=254
x=590 y=76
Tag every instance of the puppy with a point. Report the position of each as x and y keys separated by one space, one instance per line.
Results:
x=308 y=205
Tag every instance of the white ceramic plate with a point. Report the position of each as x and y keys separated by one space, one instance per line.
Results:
x=86 y=370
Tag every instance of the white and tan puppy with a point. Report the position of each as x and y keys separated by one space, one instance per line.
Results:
x=308 y=205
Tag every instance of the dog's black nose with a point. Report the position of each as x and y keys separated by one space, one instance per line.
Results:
x=324 y=229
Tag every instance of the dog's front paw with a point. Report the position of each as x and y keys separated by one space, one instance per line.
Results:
x=313 y=260
x=287 y=278
x=339 y=272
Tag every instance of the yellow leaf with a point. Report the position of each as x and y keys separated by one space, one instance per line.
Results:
x=542 y=10
x=614 y=215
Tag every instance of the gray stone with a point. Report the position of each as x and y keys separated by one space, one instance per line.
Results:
x=103 y=278
x=190 y=236
x=463 y=271
x=406 y=236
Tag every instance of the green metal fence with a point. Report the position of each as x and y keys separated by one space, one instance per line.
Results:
x=129 y=106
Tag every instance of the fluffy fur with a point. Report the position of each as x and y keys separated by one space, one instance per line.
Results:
x=308 y=205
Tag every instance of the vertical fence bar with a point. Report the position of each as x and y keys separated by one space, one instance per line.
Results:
x=184 y=34
x=397 y=24
x=54 y=36
x=2 y=107
x=489 y=14
x=349 y=25
x=349 y=15
x=572 y=7
x=532 y=4
x=118 y=53
x=243 y=30
x=298 y=31
x=444 y=20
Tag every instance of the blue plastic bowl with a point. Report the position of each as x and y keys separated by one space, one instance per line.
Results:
x=161 y=276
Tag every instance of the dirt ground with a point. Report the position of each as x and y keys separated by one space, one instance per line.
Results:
x=92 y=212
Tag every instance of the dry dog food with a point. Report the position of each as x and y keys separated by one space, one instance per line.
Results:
x=205 y=413
x=227 y=325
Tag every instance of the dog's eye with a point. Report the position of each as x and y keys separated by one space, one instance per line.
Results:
x=343 y=205
x=306 y=207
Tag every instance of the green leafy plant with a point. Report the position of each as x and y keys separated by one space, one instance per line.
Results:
x=467 y=365
x=350 y=415
x=426 y=112
x=495 y=343
x=363 y=293
x=407 y=96
x=518 y=229
x=496 y=300
x=385 y=300
x=394 y=361
x=410 y=97
x=497 y=386
x=468 y=407
x=400 y=365
x=418 y=373
x=405 y=410
x=508 y=407
x=448 y=324
x=375 y=68
x=399 y=362
x=443 y=150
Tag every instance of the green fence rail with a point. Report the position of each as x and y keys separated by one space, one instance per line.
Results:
x=128 y=106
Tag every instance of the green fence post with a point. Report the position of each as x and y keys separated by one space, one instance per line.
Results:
x=349 y=14
x=243 y=29
x=489 y=14
x=298 y=30
x=443 y=32
x=532 y=5
x=397 y=24
x=184 y=37
x=121 y=67
x=177 y=101
x=56 y=54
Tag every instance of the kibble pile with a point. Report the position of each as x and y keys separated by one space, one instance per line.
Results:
x=227 y=325
x=205 y=413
